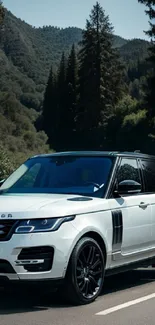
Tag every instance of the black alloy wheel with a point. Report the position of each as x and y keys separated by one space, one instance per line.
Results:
x=85 y=275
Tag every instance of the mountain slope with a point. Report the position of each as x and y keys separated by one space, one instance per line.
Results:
x=26 y=55
x=29 y=52
x=134 y=49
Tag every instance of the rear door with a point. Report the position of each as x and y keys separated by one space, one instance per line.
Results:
x=148 y=168
x=131 y=216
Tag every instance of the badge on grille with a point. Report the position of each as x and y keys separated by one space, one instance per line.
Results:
x=3 y=216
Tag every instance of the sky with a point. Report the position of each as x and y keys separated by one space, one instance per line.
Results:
x=127 y=16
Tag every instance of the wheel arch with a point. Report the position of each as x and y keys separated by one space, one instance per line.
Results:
x=70 y=285
x=96 y=236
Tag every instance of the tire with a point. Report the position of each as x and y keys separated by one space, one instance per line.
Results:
x=85 y=274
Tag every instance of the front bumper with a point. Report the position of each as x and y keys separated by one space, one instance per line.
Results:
x=13 y=265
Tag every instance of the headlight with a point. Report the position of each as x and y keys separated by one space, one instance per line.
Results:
x=41 y=225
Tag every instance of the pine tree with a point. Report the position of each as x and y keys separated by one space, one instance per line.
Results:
x=61 y=77
x=71 y=90
x=62 y=73
x=67 y=99
x=58 y=113
x=150 y=90
x=50 y=107
x=100 y=72
x=54 y=107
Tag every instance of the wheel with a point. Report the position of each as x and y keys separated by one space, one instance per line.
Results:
x=85 y=274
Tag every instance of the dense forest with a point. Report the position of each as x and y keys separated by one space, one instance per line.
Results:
x=64 y=89
x=96 y=99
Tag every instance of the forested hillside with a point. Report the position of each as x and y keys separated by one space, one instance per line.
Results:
x=27 y=54
x=96 y=98
x=26 y=57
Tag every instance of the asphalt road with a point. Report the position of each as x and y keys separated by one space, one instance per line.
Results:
x=127 y=299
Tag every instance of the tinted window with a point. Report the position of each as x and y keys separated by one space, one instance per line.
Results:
x=149 y=174
x=128 y=171
x=61 y=174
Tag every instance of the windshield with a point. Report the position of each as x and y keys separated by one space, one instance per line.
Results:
x=61 y=175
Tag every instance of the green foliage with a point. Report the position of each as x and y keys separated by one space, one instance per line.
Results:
x=129 y=127
x=134 y=119
x=6 y=165
x=27 y=53
x=17 y=133
x=150 y=90
x=82 y=101
x=125 y=106
x=101 y=106
x=2 y=13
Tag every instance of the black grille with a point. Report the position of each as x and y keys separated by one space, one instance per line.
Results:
x=6 y=267
x=37 y=253
x=6 y=229
x=40 y=252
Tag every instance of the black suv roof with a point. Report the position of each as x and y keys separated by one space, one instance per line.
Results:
x=135 y=154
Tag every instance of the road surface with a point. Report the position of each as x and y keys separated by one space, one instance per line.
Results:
x=127 y=299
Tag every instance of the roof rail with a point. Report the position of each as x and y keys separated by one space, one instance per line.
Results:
x=137 y=151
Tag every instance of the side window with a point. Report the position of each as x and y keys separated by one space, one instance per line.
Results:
x=128 y=171
x=149 y=175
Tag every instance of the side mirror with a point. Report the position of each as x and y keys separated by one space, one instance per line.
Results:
x=1 y=182
x=129 y=187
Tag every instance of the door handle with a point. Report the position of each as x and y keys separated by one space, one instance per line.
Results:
x=143 y=205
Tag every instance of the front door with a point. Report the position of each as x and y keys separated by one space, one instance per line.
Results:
x=131 y=216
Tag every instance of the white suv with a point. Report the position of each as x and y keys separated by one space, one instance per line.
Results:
x=71 y=218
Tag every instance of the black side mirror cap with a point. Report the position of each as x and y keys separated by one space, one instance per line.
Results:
x=129 y=187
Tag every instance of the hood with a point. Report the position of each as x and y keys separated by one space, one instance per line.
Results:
x=47 y=205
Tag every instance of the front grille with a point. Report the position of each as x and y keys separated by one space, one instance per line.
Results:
x=6 y=267
x=45 y=253
x=6 y=229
